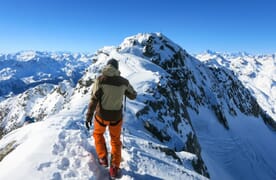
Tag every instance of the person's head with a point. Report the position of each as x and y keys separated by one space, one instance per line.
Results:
x=114 y=63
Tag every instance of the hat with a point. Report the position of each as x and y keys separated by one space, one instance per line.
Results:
x=114 y=63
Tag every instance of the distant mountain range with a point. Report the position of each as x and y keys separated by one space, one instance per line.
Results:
x=196 y=117
x=27 y=69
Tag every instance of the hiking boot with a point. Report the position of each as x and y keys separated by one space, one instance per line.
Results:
x=103 y=162
x=114 y=172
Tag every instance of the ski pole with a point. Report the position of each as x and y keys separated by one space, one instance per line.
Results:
x=123 y=138
x=123 y=127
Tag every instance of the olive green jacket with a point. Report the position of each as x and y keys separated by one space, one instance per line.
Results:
x=107 y=95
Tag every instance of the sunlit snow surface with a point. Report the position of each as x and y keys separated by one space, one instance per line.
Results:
x=60 y=147
x=257 y=72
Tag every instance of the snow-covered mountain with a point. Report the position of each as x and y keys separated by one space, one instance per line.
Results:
x=36 y=84
x=20 y=71
x=38 y=102
x=189 y=121
x=256 y=72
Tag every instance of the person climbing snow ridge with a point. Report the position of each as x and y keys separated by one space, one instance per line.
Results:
x=107 y=100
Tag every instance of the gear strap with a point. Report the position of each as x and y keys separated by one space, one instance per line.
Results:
x=112 y=123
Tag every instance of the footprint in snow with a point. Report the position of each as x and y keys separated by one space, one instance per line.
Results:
x=64 y=164
x=61 y=144
x=56 y=176
x=59 y=147
x=44 y=165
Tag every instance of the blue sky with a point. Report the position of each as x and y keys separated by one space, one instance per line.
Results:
x=87 y=25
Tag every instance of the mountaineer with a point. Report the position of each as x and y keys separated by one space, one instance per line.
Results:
x=107 y=100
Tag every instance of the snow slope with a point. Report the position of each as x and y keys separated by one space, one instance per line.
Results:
x=61 y=148
x=256 y=72
x=246 y=150
x=38 y=102
x=36 y=84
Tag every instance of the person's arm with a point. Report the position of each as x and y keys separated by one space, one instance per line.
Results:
x=95 y=96
x=130 y=92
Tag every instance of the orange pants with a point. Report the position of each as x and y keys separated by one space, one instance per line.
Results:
x=115 y=134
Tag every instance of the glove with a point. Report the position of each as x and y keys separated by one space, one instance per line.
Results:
x=88 y=121
x=88 y=124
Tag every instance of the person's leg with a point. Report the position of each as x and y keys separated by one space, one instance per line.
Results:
x=98 y=134
x=115 y=134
